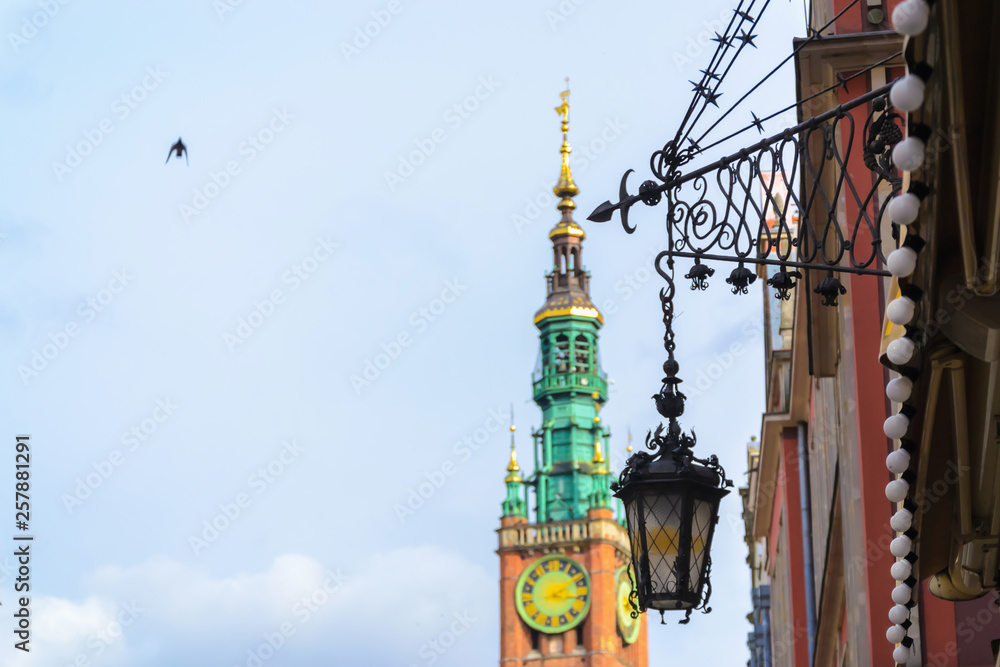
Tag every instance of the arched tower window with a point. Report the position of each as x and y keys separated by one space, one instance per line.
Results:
x=562 y=353
x=581 y=354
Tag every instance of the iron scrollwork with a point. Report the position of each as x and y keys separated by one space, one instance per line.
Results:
x=788 y=201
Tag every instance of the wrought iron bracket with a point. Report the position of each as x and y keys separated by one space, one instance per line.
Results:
x=778 y=202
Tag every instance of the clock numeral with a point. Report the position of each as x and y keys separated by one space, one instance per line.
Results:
x=581 y=591
x=531 y=609
x=578 y=578
x=577 y=606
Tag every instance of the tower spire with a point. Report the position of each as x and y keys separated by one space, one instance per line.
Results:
x=565 y=188
x=514 y=504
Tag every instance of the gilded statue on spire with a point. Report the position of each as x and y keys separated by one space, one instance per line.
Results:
x=565 y=188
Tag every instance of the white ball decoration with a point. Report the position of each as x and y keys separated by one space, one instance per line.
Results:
x=908 y=155
x=895 y=426
x=898 y=461
x=900 y=350
x=902 y=262
x=898 y=613
x=901 y=594
x=898 y=390
x=900 y=571
x=900 y=310
x=895 y=634
x=910 y=18
x=901 y=654
x=896 y=490
x=901 y=522
x=901 y=546
x=907 y=94
x=904 y=208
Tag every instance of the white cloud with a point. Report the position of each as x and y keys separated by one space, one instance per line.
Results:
x=171 y=612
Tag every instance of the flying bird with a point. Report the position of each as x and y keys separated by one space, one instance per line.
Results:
x=180 y=149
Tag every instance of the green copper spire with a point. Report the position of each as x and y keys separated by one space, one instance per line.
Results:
x=569 y=385
x=514 y=504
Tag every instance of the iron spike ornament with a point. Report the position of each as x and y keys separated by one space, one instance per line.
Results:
x=717 y=212
x=671 y=497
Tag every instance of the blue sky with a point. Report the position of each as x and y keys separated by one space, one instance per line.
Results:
x=180 y=341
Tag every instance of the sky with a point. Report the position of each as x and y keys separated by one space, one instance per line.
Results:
x=237 y=370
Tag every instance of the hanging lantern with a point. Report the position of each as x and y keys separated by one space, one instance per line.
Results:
x=671 y=501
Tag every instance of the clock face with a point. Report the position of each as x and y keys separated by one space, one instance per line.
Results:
x=553 y=594
x=628 y=626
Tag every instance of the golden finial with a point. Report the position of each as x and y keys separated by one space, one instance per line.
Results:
x=512 y=467
x=513 y=474
x=565 y=188
x=600 y=467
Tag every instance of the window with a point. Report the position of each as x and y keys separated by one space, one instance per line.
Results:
x=581 y=355
x=562 y=353
x=535 y=640
x=579 y=638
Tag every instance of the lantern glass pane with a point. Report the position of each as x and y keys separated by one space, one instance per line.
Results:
x=701 y=530
x=635 y=538
x=663 y=539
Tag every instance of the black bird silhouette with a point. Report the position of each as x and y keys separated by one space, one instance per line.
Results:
x=180 y=149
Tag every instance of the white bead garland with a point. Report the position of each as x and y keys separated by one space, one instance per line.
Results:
x=901 y=310
x=904 y=208
x=907 y=94
x=900 y=571
x=895 y=426
x=900 y=350
x=896 y=490
x=908 y=154
x=901 y=520
x=902 y=262
x=898 y=390
x=901 y=546
x=898 y=461
x=910 y=18
x=898 y=613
